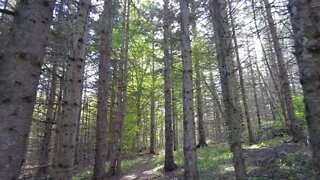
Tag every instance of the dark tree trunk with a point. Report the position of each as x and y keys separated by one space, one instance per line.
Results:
x=169 y=164
x=20 y=67
x=283 y=77
x=103 y=92
x=228 y=80
x=67 y=127
x=305 y=17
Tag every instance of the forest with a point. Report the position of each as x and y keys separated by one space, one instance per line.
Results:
x=159 y=89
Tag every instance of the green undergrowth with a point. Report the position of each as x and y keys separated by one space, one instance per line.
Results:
x=270 y=142
x=88 y=172
x=212 y=160
x=278 y=159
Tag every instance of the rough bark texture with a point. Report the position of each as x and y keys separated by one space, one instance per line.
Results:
x=47 y=132
x=103 y=92
x=228 y=81
x=283 y=76
x=169 y=164
x=67 y=128
x=189 y=147
x=305 y=18
x=20 y=67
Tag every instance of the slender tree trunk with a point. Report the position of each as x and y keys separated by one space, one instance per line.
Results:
x=103 y=92
x=115 y=156
x=201 y=132
x=45 y=144
x=242 y=82
x=174 y=120
x=152 y=109
x=228 y=80
x=305 y=17
x=67 y=128
x=20 y=67
x=283 y=76
x=112 y=123
x=189 y=149
x=255 y=95
x=274 y=79
x=169 y=164
x=137 y=143
x=58 y=120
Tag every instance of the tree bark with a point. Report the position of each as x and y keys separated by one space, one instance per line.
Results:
x=169 y=164
x=115 y=156
x=283 y=77
x=45 y=143
x=228 y=80
x=189 y=148
x=174 y=120
x=67 y=128
x=152 y=108
x=305 y=16
x=242 y=82
x=20 y=67
x=103 y=92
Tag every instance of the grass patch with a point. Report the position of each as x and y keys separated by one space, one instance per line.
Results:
x=87 y=173
x=269 y=142
x=212 y=160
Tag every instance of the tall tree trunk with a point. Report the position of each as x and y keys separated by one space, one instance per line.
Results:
x=272 y=71
x=255 y=95
x=227 y=74
x=67 y=128
x=242 y=82
x=103 y=92
x=58 y=120
x=113 y=98
x=189 y=149
x=174 y=120
x=283 y=76
x=169 y=164
x=20 y=67
x=201 y=132
x=152 y=108
x=115 y=156
x=137 y=143
x=305 y=17
x=45 y=143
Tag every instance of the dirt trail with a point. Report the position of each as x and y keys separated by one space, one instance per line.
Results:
x=143 y=170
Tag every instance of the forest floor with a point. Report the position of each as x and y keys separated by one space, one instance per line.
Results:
x=272 y=159
x=275 y=158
